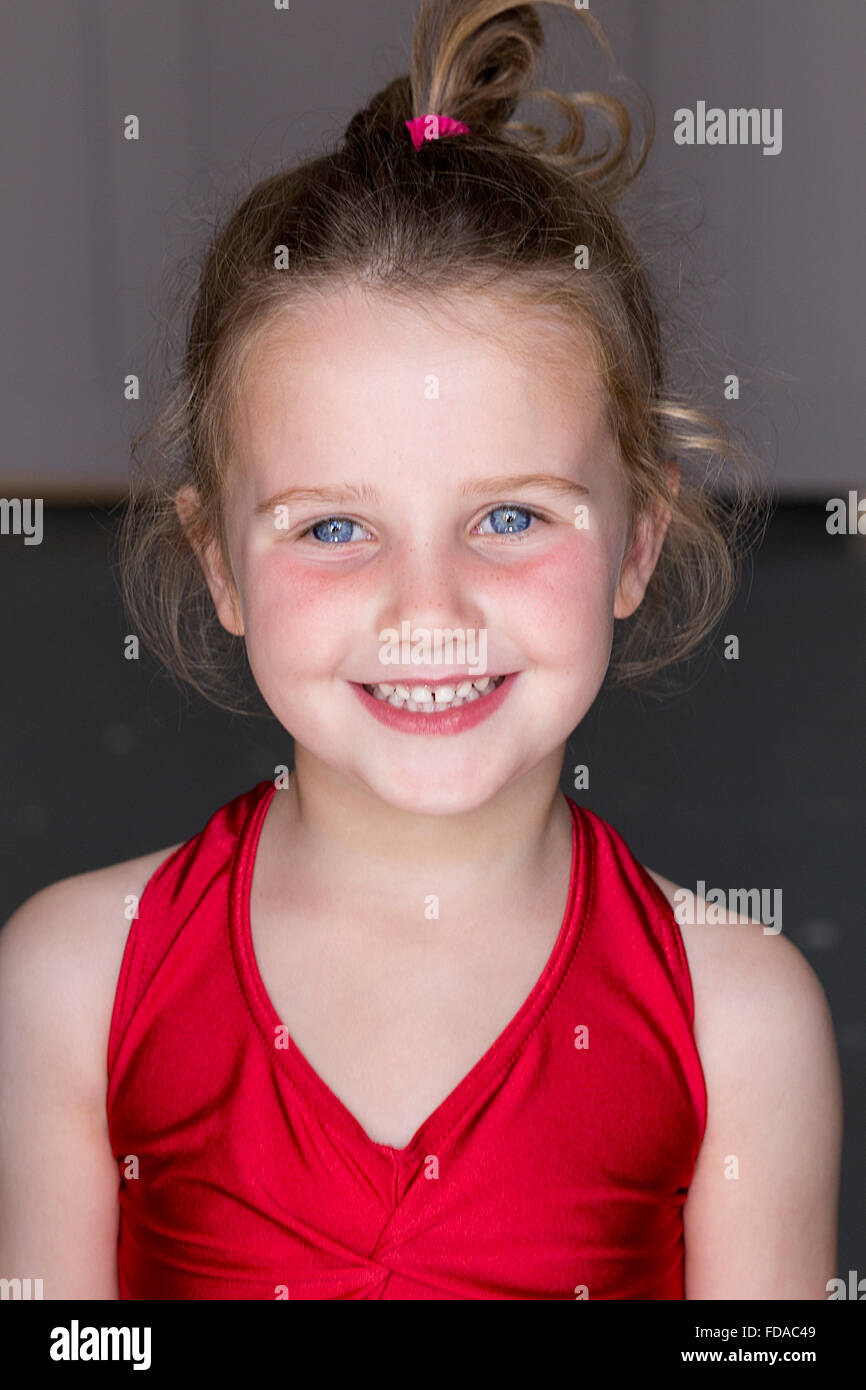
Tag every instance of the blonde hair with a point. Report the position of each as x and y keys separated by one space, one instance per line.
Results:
x=501 y=209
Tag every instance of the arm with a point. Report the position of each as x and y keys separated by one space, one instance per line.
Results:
x=58 y=1178
x=766 y=1041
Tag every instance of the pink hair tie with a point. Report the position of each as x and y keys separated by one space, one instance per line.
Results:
x=430 y=127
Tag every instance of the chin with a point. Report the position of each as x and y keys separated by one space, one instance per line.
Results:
x=432 y=795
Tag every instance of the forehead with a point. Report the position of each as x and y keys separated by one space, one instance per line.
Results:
x=357 y=360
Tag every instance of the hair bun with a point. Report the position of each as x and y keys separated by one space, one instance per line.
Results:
x=467 y=63
x=474 y=59
x=384 y=114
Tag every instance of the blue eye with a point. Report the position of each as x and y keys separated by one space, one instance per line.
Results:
x=510 y=519
x=337 y=529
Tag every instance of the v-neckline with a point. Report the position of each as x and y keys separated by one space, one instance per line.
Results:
x=324 y=1103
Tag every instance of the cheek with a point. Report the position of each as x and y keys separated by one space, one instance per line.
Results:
x=295 y=615
x=556 y=604
x=562 y=598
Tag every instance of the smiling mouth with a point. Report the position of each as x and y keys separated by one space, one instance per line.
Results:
x=434 y=699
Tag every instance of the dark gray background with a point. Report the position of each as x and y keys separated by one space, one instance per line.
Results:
x=753 y=774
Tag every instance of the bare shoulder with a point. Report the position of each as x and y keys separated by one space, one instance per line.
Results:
x=60 y=957
x=761 y=1215
x=733 y=957
x=749 y=980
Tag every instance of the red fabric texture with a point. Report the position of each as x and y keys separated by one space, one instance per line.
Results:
x=550 y=1172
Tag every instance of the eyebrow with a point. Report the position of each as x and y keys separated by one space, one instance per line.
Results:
x=479 y=487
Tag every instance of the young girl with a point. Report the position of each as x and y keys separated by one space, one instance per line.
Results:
x=407 y=1023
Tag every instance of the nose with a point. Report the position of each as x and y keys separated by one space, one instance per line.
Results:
x=431 y=584
x=432 y=618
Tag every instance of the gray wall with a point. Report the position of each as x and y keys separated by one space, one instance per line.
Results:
x=225 y=88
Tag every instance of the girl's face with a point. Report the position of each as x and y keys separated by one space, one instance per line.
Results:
x=469 y=482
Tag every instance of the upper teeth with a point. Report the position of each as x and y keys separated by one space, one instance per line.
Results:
x=427 y=698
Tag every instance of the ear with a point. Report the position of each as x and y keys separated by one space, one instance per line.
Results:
x=638 y=565
x=219 y=578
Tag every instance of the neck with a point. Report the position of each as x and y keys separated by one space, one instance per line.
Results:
x=346 y=843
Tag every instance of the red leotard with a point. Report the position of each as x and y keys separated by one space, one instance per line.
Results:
x=552 y=1171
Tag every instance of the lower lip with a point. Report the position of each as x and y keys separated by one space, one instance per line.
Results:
x=454 y=721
